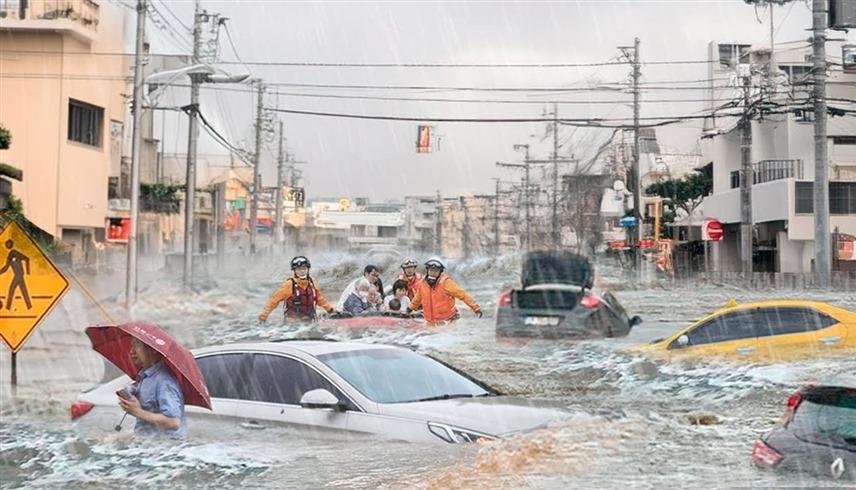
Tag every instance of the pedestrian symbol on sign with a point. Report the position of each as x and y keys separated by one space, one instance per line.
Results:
x=17 y=263
x=30 y=285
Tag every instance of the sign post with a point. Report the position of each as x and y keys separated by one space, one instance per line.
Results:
x=30 y=286
x=711 y=232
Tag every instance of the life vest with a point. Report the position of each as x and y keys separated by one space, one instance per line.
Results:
x=301 y=304
x=437 y=304
x=412 y=283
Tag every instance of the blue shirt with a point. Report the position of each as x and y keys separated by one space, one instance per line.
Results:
x=159 y=392
x=355 y=304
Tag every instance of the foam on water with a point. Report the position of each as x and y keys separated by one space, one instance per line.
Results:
x=639 y=432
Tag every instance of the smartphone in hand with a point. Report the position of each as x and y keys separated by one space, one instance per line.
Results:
x=124 y=394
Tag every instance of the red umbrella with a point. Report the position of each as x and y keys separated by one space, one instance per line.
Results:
x=114 y=343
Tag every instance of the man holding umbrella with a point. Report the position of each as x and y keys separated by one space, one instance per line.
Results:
x=159 y=404
x=167 y=376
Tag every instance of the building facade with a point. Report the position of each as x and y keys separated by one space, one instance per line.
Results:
x=65 y=110
x=782 y=160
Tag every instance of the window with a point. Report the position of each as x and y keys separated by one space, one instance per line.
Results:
x=787 y=320
x=844 y=140
x=735 y=179
x=399 y=376
x=842 y=198
x=796 y=73
x=736 y=53
x=804 y=192
x=225 y=374
x=387 y=231
x=279 y=379
x=84 y=123
x=730 y=326
x=827 y=414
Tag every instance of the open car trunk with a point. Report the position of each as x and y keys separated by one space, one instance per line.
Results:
x=556 y=268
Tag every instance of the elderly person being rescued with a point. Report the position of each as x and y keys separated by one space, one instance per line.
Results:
x=358 y=301
x=156 y=400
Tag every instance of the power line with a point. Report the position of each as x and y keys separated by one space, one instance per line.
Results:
x=456 y=100
x=585 y=122
x=463 y=65
x=177 y=18
x=389 y=65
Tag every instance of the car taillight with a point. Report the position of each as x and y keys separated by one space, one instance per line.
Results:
x=793 y=403
x=504 y=299
x=590 y=301
x=80 y=408
x=765 y=456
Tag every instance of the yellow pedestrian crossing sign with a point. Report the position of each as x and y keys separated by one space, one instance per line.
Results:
x=30 y=285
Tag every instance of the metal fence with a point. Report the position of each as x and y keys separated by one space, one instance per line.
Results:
x=841 y=280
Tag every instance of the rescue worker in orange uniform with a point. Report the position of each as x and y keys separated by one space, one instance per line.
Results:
x=410 y=276
x=300 y=294
x=436 y=295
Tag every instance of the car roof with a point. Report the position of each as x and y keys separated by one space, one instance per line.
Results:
x=311 y=347
x=776 y=303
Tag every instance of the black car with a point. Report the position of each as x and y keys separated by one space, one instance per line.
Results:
x=555 y=301
x=817 y=434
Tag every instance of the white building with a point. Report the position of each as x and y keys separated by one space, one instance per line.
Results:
x=782 y=157
x=370 y=227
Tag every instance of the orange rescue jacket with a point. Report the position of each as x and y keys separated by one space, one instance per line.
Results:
x=285 y=291
x=438 y=303
x=412 y=283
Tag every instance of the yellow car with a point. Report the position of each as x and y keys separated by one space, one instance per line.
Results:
x=769 y=330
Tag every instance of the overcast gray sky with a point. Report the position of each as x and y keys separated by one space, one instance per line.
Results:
x=377 y=158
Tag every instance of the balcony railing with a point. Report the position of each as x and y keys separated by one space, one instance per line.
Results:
x=84 y=12
x=771 y=170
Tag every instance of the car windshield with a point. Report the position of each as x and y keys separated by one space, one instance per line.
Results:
x=831 y=416
x=400 y=376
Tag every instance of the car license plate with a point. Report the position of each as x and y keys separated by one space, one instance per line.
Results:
x=541 y=320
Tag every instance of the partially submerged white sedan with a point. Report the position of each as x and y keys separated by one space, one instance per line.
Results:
x=351 y=388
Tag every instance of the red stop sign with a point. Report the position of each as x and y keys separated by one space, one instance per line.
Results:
x=713 y=230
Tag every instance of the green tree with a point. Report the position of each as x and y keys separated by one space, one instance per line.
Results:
x=5 y=138
x=685 y=194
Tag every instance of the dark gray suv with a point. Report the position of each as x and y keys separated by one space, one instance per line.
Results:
x=817 y=434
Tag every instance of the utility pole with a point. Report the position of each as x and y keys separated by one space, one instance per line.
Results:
x=466 y=231
x=137 y=141
x=746 y=181
x=278 y=238
x=438 y=225
x=496 y=247
x=192 y=137
x=556 y=232
x=822 y=252
x=526 y=189
x=257 y=176
x=637 y=177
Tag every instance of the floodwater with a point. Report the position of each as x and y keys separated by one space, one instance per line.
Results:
x=638 y=432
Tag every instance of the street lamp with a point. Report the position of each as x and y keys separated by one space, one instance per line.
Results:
x=198 y=73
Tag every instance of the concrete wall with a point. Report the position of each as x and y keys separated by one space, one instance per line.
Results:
x=791 y=253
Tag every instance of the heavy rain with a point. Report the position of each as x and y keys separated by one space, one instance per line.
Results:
x=582 y=244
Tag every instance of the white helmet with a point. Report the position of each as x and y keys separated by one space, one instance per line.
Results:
x=435 y=262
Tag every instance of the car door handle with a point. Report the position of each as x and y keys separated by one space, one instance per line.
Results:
x=252 y=425
x=829 y=340
x=745 y=350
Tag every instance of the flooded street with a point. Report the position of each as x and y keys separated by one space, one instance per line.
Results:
x=638 y=429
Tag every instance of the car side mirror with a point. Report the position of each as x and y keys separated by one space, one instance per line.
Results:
x=321 y=398
x=636 y=320
x=683 y=341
